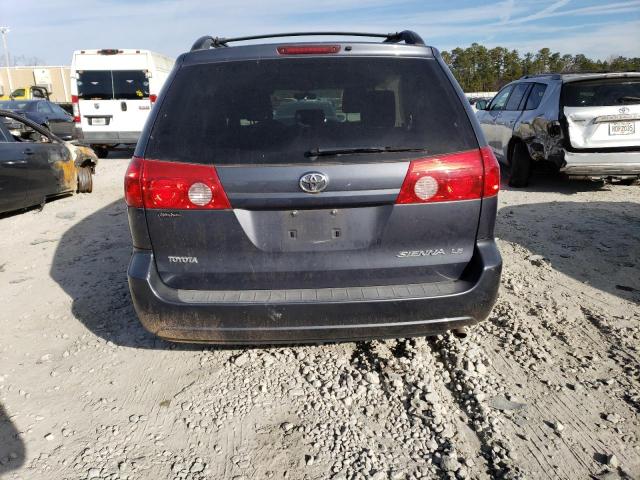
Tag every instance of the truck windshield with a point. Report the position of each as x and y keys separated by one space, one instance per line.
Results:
x=281 y=111
x=112 y=85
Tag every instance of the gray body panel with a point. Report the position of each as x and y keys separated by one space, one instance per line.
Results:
x=266 y=187
x=266 y=51
x=297 y=315
x=253 y=249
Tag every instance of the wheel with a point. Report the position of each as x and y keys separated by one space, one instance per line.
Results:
x=520 y=166
x=101 y=152
x=85 y=180
x=628 y=181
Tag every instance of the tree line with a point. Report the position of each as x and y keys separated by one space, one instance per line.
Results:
x=479 y=69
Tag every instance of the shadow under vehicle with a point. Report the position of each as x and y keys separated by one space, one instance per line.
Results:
x=597 y=243
x=12 y=448
x=90 y=265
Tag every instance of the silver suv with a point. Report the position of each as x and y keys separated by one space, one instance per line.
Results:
x=586 y=124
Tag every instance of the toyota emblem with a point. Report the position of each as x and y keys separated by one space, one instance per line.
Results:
x=314 y=182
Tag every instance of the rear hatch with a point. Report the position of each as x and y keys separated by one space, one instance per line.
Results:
x=306 y=159
x=603 y=113
x=113 y=100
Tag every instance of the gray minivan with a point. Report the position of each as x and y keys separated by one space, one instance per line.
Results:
x=367 y=212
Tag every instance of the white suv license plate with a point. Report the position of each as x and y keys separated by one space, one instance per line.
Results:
x=622 y=128
x=98 y=121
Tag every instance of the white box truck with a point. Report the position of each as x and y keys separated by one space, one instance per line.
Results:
x=112 y=92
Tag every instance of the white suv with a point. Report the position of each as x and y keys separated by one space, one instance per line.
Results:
x=587 y=124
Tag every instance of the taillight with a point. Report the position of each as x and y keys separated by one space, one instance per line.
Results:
x=76 y=108
x=109 y=51
x=153 y=98
x=491 y=172
x=132 y=183
x=444 y=178
x=158 y=184
x=308 y=49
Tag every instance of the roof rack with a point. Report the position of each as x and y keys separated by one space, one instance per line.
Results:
x=577 y=72
x=407 y=36
x=558 y=75
x=555 y=76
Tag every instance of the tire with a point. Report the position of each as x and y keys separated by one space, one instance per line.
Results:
x=101 y=152
x=629 y=181
x=520 y=166
x=85 y=180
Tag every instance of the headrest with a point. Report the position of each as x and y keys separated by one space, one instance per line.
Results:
x=377 y=107
x=310 y=117
x=383 y=101
x=353 y=99
x=253 y=105
x=380 y=109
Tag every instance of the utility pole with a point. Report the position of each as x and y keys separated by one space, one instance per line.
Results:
x=4 y=31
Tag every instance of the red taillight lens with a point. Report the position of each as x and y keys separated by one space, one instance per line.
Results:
x=168 y=185
x=132 y=183
x=445 y=178
x=153 y=98
x=76 y=108
x=491 y=172
x=308 y=49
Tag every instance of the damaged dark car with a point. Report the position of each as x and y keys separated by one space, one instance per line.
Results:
x=584 y=124
x=36 y=165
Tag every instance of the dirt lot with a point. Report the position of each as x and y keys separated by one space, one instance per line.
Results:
x=548 y=387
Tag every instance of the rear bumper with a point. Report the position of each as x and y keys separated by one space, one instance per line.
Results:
x=108 y=138
x=601 y=163
x=307 y=315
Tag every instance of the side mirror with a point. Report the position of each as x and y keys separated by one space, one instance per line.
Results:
x=481 y=105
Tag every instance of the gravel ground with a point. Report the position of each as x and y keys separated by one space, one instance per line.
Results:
x=547 y=387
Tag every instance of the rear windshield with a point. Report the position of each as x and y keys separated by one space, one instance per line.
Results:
x=602 y=92
x=112 y=85
x=273 y=111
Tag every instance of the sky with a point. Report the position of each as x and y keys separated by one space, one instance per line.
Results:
x=53 y=29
